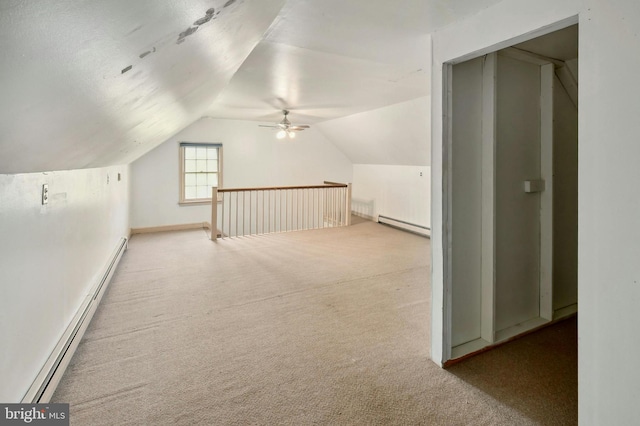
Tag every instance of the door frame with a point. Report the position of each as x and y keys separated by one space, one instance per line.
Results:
x=488 y=335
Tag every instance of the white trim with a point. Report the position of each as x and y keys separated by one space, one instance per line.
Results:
x=404 y=225
x=165 y=228
x=450 y=47
x=489 y=99
x=521 y=328
x=447 y=204
x=182 y=201
x=546 y=197
x=469 y=348
x=500 y=44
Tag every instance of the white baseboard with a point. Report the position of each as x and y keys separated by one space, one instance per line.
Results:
x=43 y=387
x=181 y=227
x=407 y=226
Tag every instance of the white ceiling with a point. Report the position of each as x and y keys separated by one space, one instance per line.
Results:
x=325 y=59
x=70 y=101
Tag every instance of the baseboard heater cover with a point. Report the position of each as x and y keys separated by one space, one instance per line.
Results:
x=47 y=380
x=404 y=225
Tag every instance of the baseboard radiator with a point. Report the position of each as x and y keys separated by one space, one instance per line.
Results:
x=406 y=226
x=47 y=380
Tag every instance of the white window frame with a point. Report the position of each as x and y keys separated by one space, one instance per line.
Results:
x=181 y=168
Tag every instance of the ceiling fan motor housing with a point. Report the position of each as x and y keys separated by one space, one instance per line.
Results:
x=286 y=127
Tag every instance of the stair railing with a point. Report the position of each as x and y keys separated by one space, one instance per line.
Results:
x=263 y=210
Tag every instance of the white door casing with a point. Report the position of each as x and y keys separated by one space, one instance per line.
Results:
x=504 y=271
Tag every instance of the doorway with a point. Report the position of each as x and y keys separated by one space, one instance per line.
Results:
x=514 y=201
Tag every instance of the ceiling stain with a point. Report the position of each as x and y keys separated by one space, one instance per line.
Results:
x=207 y=17
x=139 y=27
x=186 y=33
x=148 y=52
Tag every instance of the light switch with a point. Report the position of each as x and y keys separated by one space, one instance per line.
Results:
x=45 y=194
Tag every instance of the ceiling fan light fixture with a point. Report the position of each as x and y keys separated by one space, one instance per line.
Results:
x=286 y=128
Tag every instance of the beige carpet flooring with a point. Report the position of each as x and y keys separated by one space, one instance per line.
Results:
x=324 y=327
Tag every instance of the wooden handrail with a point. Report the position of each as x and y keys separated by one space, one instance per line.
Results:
x=265 y=208
x=271 y=188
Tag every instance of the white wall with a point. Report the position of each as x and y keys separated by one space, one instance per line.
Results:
x=608 y=206
x=252 y=156
x=395 y=134
x=399 y=192
x=389 y=147
x=50 y=257
x=608 y=231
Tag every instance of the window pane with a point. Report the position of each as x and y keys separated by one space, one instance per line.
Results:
x=200 y=171
x=201 y=179
x=203 y=192
x=190 y=179
x=190 y=152
x=201 y=153
x=190 y=192
x=190 y=166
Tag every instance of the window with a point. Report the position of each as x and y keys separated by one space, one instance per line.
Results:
x=200 y=169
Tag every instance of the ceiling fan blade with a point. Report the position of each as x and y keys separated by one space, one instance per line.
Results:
x=286 y=125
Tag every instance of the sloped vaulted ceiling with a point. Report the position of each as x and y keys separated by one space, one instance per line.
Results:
x=96 y=82
x=91 y=83
x=327 y=59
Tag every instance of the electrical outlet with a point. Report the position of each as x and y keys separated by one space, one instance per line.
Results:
x=420 y=173
x=45 y=194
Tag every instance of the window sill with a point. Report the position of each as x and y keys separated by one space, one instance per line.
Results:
x=196 y=202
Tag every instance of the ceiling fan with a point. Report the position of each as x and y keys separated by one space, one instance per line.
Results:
x=286 y=128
